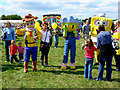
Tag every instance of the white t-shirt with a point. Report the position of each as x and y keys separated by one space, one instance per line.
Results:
x=45 y=36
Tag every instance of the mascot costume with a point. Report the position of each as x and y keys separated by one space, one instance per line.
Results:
x=95 y=22
x=31 y=34
x=70 y=34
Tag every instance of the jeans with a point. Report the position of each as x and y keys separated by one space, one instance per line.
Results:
x=7 y=47
x=21 y=56
x=56 y=38
x=88 y=68
x=72 y=46
x=108 y=60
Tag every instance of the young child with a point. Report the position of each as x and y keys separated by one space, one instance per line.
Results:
x=13 y=51
x=89 y=55
x=20 y=50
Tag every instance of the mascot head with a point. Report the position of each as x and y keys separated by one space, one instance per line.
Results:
x=70 y=25
x=96 y=21
x=29 y=22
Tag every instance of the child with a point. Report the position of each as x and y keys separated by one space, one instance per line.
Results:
x=89 y=55
x=13 y=51
x=20 y=50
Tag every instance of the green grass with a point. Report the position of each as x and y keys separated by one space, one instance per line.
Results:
x=53 y=77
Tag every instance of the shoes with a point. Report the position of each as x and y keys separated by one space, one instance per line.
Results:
x=47 y=65
x=6 y=61
x=21 y=60
x=117 y=69
x=83 y=45
x=55 y=47
x=96 y=64
x=42 y=66
x=63 y=67
x=72 y=67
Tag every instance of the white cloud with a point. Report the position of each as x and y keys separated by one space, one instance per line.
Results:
x=76 y=8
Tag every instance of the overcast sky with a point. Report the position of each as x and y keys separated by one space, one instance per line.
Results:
x=80 y=9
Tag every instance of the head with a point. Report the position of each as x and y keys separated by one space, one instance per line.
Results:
x=101 y=28
x=117 y=25
x=13 y=42
x=96 y=21
x=89 y=43
x=29 y=21
x=45 y=26
x=20 y=43
x=8 y=24
x=87 y=22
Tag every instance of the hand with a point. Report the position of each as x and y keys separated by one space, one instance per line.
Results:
x=35 y=37
x=5 y=32
x=64 y=37
x=82 y=36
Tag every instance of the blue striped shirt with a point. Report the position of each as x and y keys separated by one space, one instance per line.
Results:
x=10 y=35
x=104 y=37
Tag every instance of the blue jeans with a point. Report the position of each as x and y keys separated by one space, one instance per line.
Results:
x=88 y=68
x=7 y=47
x=31 y=50
x=56 y=38
x=108 y=68
x=72 y=46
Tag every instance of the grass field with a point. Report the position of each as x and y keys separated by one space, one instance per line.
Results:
x=53 y=77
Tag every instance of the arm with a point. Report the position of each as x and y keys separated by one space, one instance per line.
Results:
x=13 y=35
x=75 y=33
x=98 y=43
x=65 y=33
x=39 y=34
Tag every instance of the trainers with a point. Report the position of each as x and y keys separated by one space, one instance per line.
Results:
x=42 y=66
x=83 y=45
x=21 y=60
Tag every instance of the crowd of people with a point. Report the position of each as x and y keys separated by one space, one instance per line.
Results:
x=104 y=43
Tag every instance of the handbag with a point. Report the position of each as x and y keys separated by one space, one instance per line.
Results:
x=3 y=37
x=42 y=44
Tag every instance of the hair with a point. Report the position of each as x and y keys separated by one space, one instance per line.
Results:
x=101 y=28
x=20 y=43
x=9 y=23
x=45 y=24
x=91 y=43
x=13 y=41
x=117 y=25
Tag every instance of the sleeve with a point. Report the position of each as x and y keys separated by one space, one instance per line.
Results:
x=65 y=32
x=98 y=43
x=39 y=34
x=95 y=49
x=13 y=35
x=3 y=32
x=83 y=28
x=75 y=33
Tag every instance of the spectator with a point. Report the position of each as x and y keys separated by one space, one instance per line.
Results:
x=104 y=43
x=10 y=35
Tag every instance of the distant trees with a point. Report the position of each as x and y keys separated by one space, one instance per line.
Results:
x=10 y=17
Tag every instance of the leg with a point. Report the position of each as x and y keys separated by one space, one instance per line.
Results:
x=11 y=58
x=15 y=57
x=42 y=57
x=101 y=69
x=57 y=38
x=55 y=41
x=46 y=54
x=90 y=69
x=86 y=69
x=27 y=58
x=65 y=58
x=109 y=68
x=34 y=58
x=7 y=44
x=73 y=53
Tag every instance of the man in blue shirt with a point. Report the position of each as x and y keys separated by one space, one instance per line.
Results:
x=104 y=43
x=10 y=35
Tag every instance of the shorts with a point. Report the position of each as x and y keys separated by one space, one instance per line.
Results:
x=31 y=50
